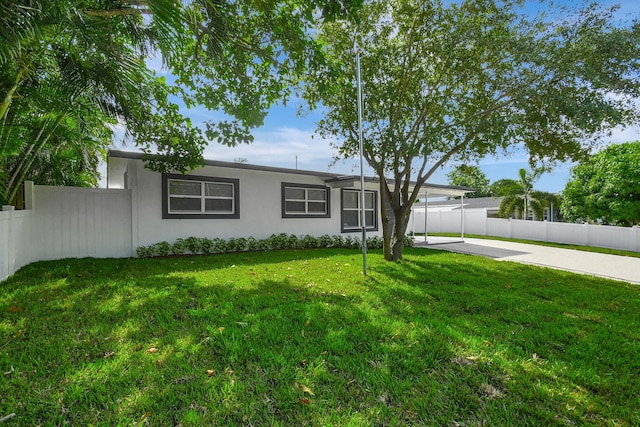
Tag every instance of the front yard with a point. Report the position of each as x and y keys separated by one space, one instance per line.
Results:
x=302 y=338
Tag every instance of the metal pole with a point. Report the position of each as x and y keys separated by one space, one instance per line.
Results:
x=462 y=217
x=363 y=223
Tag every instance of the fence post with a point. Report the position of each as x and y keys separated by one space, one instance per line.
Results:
x=587 y=239
x=9 y=261
x=135 y=238
x=485 y=218
x=28 y=195
x=546 y=231
x=636 y=230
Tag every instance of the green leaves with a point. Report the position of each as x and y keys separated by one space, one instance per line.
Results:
x=456 y=82
x=605 y=187
x=470 y=176
x=86 y=58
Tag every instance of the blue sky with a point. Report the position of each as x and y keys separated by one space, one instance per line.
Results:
x=287 y=140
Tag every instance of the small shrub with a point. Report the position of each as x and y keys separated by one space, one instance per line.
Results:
x=231 y=245
x=264 y=245
x=219 y=246
x=253 y=244
x=179 y=247
x=279 y=241
x=237 y=245
x=309 y=241
x=162 y=248
x=407 y=241
x=144 y=252
x=375 y=242
x=352 y=242
x=325 y=241
x=337 y=242
x=194 y=245
x=207 y=246
x=293 y=242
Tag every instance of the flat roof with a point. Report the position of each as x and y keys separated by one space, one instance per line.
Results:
x=330 y=178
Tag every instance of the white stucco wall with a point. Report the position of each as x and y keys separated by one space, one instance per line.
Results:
x=260 y=207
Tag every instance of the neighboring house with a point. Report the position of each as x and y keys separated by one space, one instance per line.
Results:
x=491 y=204
x=226 y=200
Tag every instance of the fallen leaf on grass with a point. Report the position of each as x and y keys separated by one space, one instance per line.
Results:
x=462 y=361
x=14 y=309
x=210 y=372
x=489 y=343
x=305 y=401
x=490 y=391
x=109 y=354
x=306 y=389
x=152 y=350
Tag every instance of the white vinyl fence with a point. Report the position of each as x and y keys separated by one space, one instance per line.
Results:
x=476 y=222
x=65 y=222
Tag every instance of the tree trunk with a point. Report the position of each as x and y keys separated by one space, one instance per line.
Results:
x=395 y=219
x=8 y=97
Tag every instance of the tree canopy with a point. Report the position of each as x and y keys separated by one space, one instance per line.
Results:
x=606 y=187
x=71 y=70
x=446 y=81
x=470 y=176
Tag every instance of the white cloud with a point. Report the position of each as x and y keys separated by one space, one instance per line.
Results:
x=279 y=147
x=629 y=134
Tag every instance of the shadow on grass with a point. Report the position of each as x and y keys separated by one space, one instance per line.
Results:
x=565 y=345
x=301 y=337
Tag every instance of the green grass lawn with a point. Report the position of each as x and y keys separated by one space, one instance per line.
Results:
x=303 y=338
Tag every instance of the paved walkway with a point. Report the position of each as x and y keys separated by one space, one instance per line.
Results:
x=603 y=265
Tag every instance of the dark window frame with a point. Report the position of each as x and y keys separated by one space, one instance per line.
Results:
x=165 y=197
x=326 y=189
x=374 y=227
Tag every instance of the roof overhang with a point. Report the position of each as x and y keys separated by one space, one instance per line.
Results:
x=332 y=180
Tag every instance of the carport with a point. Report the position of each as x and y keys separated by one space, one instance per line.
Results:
x=428 y=191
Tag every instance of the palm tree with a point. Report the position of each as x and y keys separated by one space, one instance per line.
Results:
x=61 y=58
x=519 y=197
x=68 y=62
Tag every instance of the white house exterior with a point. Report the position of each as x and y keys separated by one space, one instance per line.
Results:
x=228 y=200
x=235 y=200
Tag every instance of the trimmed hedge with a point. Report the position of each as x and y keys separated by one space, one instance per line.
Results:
x=205 y=246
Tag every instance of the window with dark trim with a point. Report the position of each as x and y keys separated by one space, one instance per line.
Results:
x=305 y=201
x=350 y=210
x=188 y=196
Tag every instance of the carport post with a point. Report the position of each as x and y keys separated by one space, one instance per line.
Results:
x=426 y=197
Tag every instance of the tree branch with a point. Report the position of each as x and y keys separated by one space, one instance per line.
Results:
x=110 y=13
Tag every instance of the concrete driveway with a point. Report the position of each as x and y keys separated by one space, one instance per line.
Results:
x=615 y=267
